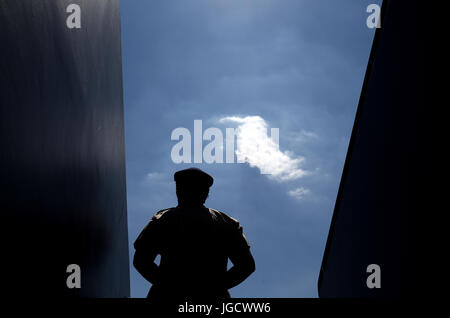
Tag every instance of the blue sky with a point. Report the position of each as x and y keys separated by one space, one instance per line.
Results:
x=247 y=64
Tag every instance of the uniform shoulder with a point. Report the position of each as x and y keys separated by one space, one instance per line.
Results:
x=158 y=218
x=151 y=229
x=224 y=217
x=231 y=225
x=162 y=214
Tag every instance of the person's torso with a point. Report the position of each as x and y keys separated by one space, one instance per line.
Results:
x=193 y=248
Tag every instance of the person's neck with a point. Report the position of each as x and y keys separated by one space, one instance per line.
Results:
x=190 y=205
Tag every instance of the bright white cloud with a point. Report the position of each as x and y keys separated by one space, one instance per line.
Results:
x=299 y=193
x=258 y=149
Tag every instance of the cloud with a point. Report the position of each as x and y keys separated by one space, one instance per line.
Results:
x=306 y=136
x=255 y=147
x=154 y=177
x=299 y=193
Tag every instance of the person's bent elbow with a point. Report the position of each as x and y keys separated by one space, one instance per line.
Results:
x=136 y=261
x=250 y=267
x=140 y=260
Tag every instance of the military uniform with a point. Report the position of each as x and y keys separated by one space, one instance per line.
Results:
x=195 y=244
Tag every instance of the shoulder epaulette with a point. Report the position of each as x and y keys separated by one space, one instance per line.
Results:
x=160 y=213
x=224 y=217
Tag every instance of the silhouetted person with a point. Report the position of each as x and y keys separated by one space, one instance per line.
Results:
x=195 y=244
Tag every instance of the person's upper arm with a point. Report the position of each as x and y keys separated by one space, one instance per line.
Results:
x=239 y=247
x=149 y=238
x=147 y=246
x=238 y=240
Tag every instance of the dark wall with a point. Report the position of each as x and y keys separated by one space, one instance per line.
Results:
x=62 y=158
x=389 y=193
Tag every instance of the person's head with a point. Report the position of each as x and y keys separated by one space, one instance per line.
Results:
x=192 y=186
